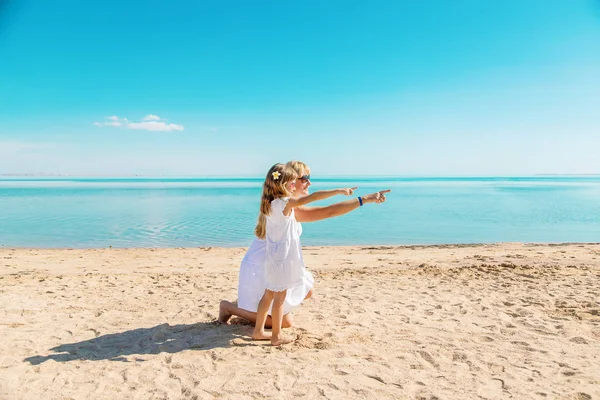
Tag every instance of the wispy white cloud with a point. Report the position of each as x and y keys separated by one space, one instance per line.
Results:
x=109 y=123
x=155 y=126
x=112 y=121
x=150 y=122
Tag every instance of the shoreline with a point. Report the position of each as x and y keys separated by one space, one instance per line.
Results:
x=374 y=246
x=414 y=321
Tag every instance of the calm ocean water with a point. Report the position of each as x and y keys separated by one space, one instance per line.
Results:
x=76 y=213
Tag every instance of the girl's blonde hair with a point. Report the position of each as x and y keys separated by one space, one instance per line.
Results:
x=274 y=188
x=299 y=167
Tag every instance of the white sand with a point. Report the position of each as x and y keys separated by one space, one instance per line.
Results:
x=447 y=322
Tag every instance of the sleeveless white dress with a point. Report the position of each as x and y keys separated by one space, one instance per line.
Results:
x=252 y=281
x=284 y=266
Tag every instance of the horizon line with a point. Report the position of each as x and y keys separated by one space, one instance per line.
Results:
x=241 y=176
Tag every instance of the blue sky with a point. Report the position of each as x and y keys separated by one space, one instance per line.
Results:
x=463 y=87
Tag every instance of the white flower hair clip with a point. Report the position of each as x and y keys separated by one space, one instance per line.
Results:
x=276 y=175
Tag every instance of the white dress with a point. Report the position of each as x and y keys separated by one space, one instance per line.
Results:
x=284 y=266
x=251 y=284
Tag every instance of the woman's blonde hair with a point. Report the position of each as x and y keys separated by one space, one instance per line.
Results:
x=274 y=188
x=299 y=167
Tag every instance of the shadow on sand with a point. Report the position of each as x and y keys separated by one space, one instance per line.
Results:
x=162 y=338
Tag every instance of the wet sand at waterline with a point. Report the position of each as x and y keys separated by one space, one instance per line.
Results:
x=447 y=322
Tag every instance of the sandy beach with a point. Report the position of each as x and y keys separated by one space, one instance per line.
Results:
x=418 y=322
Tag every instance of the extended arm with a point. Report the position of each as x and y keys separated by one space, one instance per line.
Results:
x=312 y=214
x=318 y=195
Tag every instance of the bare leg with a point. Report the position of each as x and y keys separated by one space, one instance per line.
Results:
x=288 y=321
x=277 y=316
x=261 y=317
x=309 y=294
x=228 y=309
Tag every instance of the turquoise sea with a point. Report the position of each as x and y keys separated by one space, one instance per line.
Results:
x=192 y=212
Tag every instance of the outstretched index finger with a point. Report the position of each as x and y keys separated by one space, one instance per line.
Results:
x=385 y=191
x=354 y=188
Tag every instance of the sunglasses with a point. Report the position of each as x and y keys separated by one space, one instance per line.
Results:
x=305 y=178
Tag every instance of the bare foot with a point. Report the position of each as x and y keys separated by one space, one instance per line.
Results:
x=224 y=311
x=261 y=335
x=281 y=340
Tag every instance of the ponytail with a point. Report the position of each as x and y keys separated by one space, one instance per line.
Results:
x=260 y=231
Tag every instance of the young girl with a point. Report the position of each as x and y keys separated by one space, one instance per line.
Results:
x=284 y=266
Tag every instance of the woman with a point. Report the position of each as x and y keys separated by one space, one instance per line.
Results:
x=251 y=286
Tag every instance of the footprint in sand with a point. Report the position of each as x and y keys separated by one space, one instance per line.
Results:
x=580 y=396
x=427 y=357
x=520 y=343
x=578 y=340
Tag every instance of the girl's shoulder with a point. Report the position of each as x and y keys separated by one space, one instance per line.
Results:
x=280 y=201
x=278 y=205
